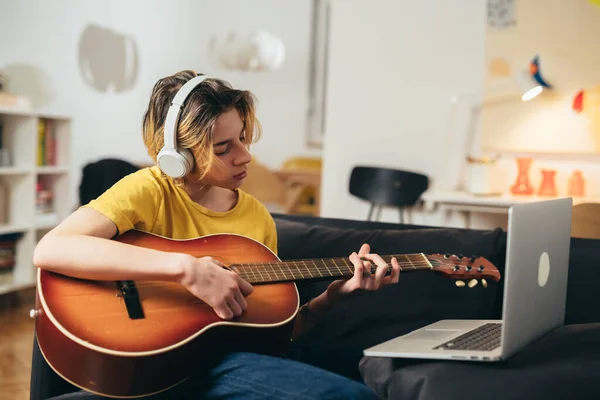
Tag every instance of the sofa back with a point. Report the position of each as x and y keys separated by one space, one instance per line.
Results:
x=419 y=298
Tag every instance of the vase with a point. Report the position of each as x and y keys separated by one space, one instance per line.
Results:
x=522 y=185
x=548 y=187
x=576 y=184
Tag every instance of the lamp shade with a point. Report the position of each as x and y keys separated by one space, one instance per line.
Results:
x=255 y=51
x=528 y=86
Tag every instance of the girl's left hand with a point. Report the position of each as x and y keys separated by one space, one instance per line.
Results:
x=359 y=281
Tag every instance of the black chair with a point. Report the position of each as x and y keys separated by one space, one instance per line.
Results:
x=387 y=187
x=99 y=176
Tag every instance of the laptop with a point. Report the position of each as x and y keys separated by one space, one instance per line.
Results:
x=535 y=292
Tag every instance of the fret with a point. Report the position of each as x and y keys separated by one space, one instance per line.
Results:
x=278 y=274
x=318 y=269
x=308 y=269
x=298 y=269
x=246 y=269
x=282 y=272
x=274 y=273
x=257 y=274
x=271 y=277
x=259 y=270
x=410 y=262
x=350 y=267
x=296 y=274
x=338 y=268
x=426 y=261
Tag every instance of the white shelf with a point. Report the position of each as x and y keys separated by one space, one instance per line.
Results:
x=7 y=228
x=51 y=169
x=15 y=286
x=20 y=138
x=14 y=170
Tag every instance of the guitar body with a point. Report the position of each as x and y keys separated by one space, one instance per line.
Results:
x=86 y=335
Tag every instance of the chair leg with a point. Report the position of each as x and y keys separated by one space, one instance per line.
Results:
x=370 y=211
x=401 y=212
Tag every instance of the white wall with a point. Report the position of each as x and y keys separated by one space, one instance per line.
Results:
x=393 y=67
x=170 y=36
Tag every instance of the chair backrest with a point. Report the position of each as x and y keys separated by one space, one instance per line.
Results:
x=386 y=186
x=585 y=222
x=99 y=176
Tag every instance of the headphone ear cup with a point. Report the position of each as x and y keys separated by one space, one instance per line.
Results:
x=189 y=160
x=175 y=164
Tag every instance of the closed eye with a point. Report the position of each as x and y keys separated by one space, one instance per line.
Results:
x=228 y=145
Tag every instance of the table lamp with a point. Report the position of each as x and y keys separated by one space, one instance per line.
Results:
x=530 y=84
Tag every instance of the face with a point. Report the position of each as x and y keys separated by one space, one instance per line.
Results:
x=231 y=152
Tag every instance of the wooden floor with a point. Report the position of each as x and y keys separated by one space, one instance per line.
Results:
x=16 y=338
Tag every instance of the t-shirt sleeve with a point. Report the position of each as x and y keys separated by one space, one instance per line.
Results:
x=132 y=202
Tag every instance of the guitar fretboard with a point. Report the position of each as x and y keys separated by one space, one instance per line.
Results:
x=285 y=271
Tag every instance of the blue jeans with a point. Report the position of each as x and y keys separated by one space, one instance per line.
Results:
x=254 y=376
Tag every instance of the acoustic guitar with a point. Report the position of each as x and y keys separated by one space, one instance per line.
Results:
x=132 y=339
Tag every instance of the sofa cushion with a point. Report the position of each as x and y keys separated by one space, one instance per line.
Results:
x=336 y=343
x=563 y=364
x=583 y=296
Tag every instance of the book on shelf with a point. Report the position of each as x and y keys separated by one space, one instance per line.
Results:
x=7 y=257
x=46 y=151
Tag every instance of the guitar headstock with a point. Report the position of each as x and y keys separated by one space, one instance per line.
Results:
x=471 y=268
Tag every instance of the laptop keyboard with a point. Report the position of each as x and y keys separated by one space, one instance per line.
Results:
x=483 y=338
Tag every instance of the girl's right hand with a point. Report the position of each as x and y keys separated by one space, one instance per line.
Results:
x=223 y=290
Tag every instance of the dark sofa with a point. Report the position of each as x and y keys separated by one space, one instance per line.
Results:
x=563 y=364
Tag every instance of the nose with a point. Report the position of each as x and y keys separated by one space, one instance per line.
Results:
x=243 y=156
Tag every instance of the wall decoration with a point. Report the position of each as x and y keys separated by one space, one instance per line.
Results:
x=108 y=60
x=534 y=68
x=578 y=102
x=501 y=13
x=499 y=68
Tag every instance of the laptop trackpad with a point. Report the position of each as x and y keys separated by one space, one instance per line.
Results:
x=433 y=334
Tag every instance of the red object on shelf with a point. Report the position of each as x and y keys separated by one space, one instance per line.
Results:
x=522 y=185
x=548 y=187
x=577 y=184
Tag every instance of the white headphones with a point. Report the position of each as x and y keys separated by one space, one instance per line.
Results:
x=175 y=162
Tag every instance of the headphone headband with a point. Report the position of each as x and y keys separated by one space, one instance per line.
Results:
x=172 y=119
x=172 y=161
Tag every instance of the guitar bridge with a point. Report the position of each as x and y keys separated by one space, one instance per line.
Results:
x=130 y=294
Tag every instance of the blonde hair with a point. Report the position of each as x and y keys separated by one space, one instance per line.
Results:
x=198 y=116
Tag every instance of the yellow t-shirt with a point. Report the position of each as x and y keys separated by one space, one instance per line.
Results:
x=148 y=201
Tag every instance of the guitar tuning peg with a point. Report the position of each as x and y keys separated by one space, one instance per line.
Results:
x=459 y=283
x=473 y=258
x=484 y=283
x=472 y=283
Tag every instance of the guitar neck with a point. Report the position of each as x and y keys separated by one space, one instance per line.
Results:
x=319 y=269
